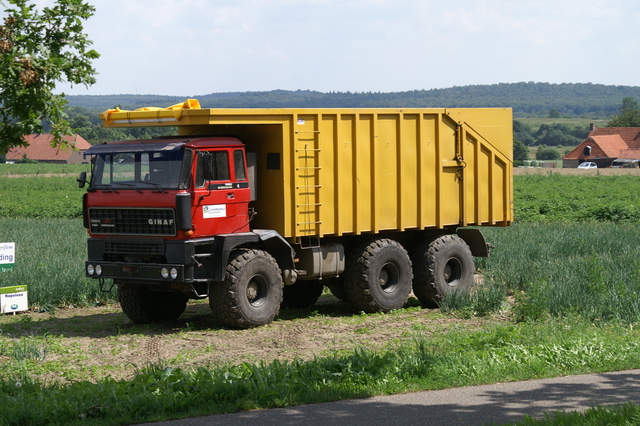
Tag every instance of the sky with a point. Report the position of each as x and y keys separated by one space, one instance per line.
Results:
x=192 y=47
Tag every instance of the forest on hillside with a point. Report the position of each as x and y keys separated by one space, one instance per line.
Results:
x=526 y=99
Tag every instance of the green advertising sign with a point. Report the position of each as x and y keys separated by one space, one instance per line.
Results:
x=7 y=256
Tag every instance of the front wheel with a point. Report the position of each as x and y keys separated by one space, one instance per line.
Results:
x=378 y=276
x=442 y=266
x=251 y=293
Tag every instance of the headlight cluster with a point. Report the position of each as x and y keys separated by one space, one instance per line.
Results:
x=166 y=273
x=94 y=270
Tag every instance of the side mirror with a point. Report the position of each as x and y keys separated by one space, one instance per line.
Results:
x=82 y=179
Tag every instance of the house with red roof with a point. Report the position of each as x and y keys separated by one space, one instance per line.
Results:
x=604 y=145
x=40 y=149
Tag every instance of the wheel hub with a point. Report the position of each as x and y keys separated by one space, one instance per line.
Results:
x=452 y=272
x=388 y=277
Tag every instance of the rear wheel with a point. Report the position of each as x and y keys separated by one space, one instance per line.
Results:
x=143 y=306
x=378 y=276
x=303 y=294
x=442 y=266
x=251 y=293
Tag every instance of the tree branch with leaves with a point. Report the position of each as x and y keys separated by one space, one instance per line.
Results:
x=37 y=51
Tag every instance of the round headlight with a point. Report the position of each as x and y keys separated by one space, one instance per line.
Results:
x=90 y=269
x=98 y=270
x=174 y=273
x=164 y=272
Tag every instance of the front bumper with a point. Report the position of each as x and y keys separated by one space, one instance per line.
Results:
x=137 y=271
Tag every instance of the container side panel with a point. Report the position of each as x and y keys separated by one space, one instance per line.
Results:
x=345 y=183
x=500 y=186
x=485 y=187
x=469 y=173
x=362 y=173
x=328 y=156
x=385 y=174
x=428 y=170
x=449 y=190
x=409 y=183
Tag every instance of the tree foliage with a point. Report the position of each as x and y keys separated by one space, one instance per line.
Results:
x=520 y=152
x=547 y=153
x=38 y=50
x=629 y=114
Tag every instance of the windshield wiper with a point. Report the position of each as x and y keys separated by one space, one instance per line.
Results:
x=106 y=187
x=131 y=185
x=157 y=185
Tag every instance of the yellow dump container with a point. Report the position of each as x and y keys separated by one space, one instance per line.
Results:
x=332 y=172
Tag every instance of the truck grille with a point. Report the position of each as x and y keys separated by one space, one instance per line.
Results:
x=133 y=247
x=127 y=221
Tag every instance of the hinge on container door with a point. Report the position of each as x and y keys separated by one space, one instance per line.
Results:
x=459 y=138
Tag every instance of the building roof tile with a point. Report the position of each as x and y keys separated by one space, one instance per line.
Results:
x=40 y=148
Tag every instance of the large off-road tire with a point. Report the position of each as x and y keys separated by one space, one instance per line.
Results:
x=143 y=306
x=378 y=276
x=251 y=293
x=441 y=266
x=302 y=295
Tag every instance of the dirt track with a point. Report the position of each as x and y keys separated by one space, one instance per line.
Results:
x=90 y=343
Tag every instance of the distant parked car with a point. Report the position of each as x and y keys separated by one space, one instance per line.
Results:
x=588 y=165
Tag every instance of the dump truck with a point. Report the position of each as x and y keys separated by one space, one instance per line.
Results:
x=256 y=209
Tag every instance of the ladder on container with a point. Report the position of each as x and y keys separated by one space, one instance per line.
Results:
x=308 y=194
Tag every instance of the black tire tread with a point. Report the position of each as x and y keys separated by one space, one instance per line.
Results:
x=357 y=287
x=425 y=287
x=224 y=297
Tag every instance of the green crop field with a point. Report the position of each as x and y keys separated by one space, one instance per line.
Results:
x=40 y=197
x=569 y=232
x=39 y=169
x=562 y=284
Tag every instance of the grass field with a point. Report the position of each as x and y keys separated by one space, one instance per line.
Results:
x=563 y=283
x=38 y=169
x=40 y=197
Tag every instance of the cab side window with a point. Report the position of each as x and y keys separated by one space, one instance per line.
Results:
x=212 y=166
x=238 y=165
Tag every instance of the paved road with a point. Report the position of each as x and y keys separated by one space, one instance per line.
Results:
x=499 y=403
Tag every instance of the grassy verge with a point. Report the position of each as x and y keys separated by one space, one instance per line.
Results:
x=498 y=352
x=627 y=414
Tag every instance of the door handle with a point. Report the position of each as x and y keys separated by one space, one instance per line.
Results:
x=231 y=196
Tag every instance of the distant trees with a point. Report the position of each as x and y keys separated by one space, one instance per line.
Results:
x=87 y=124
x=560 y=134
x=629 y=114
x=555 y=134
x=546 y=153
x=526 y=99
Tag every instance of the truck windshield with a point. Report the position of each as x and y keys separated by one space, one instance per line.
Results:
x=142 y=170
